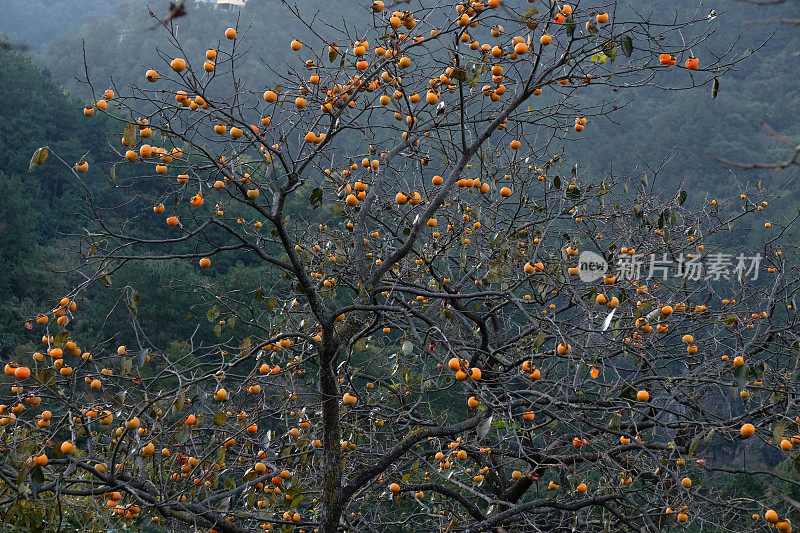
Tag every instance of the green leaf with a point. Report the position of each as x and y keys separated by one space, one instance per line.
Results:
x=133 y=302
x=217 y=330
x=333 y=53
x=213 y=313
x=627 y=45
x=610 y=49
x=113 y=173
x=778 y=431
x=37 y=479
x=180 y=402
x=570 y=25
x=694 y=444
x=557 y=182
x=119 y=400
x=479 y=70
x=528 y=14
x=141 y=359
x=38 y=158
x=315 y=198
x=46 y=376
x=106 y=280
x=682 y=197
x=129 y=135
x=60 y=340
x=220 y=418
x=244 y=346
x=460 y=74
x=539 y=340
x=405 y=477
x=297 y=500
x=599 y=57
x=23 y=472
x=714 y=88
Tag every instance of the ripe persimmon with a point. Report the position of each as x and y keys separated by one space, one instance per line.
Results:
x=349 y=399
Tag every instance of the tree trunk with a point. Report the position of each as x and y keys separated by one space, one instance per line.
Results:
x=332 y=505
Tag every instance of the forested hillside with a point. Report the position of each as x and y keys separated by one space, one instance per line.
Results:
x=36 y=209
x=40 y=212
x=763 y=87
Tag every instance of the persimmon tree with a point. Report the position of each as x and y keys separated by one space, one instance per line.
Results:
x=418 y=340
